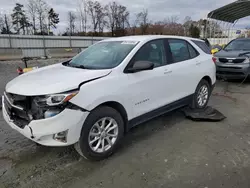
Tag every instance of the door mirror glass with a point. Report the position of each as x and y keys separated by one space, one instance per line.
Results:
x=141 y=66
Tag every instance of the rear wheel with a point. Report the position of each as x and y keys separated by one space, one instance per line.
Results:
x=101 y=133
x=201 y=96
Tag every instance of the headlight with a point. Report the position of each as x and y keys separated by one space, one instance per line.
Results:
x=247 y=60
x=55 y=99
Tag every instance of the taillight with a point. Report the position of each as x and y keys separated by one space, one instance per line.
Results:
x=214 y=59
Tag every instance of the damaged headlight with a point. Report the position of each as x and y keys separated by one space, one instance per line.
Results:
x=50 y=105
x=55 y=99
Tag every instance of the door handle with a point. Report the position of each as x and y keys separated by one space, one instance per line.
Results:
x=167 y=72
x=198 y=63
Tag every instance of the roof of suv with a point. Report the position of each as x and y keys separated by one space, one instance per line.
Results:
x=142 y=38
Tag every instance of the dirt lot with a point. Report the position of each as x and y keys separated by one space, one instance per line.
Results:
x=169 y=151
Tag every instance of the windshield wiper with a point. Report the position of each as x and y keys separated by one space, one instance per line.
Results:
x=77 y=66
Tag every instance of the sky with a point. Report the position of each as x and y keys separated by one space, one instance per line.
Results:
x=158 y=9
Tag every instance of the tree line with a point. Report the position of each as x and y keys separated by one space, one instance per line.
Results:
x=92 y=18
x=36 y=18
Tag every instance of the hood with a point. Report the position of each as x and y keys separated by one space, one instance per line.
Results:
x=52 y=79
x=229 y=54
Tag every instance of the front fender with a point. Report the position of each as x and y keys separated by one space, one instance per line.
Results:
x=107 y=89
x=89 y=105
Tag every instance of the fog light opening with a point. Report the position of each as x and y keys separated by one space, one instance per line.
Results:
x=61 y=136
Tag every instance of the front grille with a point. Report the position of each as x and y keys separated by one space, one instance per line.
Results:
x=230 y=73
x=229 y=67
x=238 y=60
x=223 y=60
x=228 y=60
x=17 y=109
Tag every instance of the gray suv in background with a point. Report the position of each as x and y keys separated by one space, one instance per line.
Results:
x=232 y=62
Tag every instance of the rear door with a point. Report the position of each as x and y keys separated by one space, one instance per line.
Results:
x=184 y=68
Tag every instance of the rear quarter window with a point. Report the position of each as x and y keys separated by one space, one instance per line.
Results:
x=203 y=46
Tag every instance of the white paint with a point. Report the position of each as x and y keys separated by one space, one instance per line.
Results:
x=155 y=87
x=52 y=79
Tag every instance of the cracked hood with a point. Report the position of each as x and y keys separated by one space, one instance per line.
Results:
x=52 y=79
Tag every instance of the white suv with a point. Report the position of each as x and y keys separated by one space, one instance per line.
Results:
x=92 y=100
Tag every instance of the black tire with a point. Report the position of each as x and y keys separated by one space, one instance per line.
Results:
x=195 y=104
x=83 y=147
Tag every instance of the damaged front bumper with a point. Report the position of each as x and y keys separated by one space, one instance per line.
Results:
x=43 y=131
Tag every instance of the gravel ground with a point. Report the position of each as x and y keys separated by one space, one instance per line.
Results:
x=169 y=151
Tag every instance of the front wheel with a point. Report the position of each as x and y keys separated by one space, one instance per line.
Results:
x=101 y=133
x=201 y=96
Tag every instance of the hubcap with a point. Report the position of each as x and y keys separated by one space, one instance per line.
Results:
x=202 y=96
x=103 y=135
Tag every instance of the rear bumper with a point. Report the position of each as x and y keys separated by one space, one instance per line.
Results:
x=42 y=131
x=232 y=71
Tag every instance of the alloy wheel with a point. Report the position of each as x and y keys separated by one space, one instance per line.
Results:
x=103 y=135
x=202 y=96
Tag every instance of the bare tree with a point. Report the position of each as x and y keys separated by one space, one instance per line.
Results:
x=171 y=19
x=71 y=22
x=96 y=13
x=42 y=11
x=82 y=13
x=1 y=22
x=32 y=11
x=143 y=20
x=122 y=19
x=172 y=27
x=111 y=12
x=133 y=25
x=118 y=18
x=187 y=24
x=101 y=15
x=5 y=24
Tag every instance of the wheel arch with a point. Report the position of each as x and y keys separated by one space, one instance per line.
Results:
x=208 y=79
x=120 y=108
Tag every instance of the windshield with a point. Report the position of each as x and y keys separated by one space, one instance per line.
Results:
x=103 y=55
x=238 y=45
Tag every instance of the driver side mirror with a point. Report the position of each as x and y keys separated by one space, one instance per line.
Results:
x=140 y=66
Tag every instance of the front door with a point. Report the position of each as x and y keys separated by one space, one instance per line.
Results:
x=146 y=90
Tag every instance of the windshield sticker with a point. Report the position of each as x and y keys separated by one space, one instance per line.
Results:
x=129 y=42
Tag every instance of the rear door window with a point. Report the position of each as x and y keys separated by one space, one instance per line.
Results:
x=179 y=50
x=192 y=51
x=203 y=46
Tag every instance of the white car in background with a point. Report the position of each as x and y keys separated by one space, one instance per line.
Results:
x=92 y=100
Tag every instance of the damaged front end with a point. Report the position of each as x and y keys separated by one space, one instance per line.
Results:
x=23 y=109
